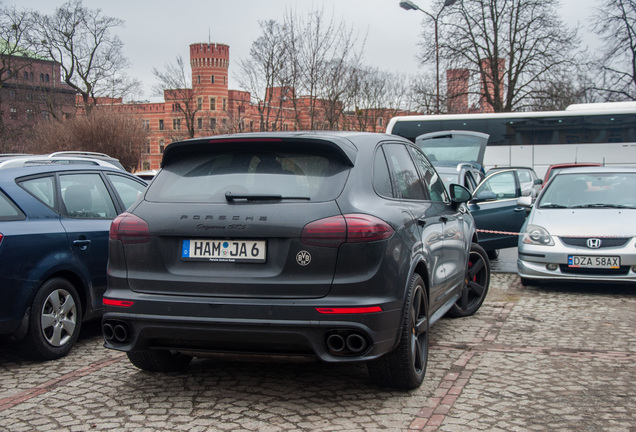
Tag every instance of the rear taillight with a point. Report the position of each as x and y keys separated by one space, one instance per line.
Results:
x=1 y=238
x=128 y=228
x=351 y=228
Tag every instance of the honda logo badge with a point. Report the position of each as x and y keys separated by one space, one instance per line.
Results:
x=594 y=243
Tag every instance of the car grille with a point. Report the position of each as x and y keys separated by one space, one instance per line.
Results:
x=622 y=271
x=605 y=242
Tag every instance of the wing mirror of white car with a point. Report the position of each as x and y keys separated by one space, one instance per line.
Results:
x=525 y=201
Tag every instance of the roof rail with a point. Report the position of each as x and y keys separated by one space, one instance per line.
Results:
x=78 y=153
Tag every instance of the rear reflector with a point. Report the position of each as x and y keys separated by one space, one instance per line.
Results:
x=351 y=310
x=128 y=228
x=118 y=303
x=350 y=228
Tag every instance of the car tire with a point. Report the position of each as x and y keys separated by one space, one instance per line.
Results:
x=476 y=283
x=159 y=360
x=55 y=320
x=405 y=366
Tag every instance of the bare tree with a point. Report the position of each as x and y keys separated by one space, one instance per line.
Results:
x=82 y=41
x=511 y=45
x=616 y=24
x=120 y=135
x=265 y=69
x=175 y=85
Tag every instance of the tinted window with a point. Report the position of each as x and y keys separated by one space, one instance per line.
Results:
x=128 y=189
x=8 y=210
x=408 y=182
x=86 y=196
x=250 y=171
x=43 y=188
x=434 y=184
x=381 y=176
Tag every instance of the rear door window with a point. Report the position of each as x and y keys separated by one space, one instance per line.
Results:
x=250 y=173
x=86 y=196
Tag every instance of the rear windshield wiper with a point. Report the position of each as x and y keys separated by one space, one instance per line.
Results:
x=230 y=197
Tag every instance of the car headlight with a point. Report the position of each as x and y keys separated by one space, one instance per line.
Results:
x=537 y=235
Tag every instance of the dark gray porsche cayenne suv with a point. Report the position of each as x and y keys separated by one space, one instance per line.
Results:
x=338 y=245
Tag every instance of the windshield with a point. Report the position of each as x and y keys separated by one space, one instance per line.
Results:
x=591 y=190
x=456 y=148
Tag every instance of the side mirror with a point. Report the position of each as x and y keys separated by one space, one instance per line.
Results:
x=538 y=182
x=459 y=194
x=525 y=201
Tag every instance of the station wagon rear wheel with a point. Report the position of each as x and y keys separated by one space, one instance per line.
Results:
x=159 y=360
x=405 y=366
x=476 y=283
x=55 y=321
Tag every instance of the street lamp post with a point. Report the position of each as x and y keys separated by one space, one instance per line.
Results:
x=409 y=5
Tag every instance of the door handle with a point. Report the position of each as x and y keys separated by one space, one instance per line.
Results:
x=421 y=222
x=82 y=244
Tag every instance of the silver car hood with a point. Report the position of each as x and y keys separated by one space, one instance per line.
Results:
x=585 y=222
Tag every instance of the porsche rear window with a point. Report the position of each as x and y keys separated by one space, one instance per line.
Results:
x=213 y=176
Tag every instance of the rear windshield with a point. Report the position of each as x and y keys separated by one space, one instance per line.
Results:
x=213 y=176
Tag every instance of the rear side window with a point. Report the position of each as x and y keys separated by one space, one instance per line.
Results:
x=250 y=172
x=85 y=196
x=8 y=210
x=43 y=188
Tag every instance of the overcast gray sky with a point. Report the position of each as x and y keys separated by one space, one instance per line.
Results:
x=157 y=31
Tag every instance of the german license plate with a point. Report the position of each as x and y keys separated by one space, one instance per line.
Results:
x=581 y=261
x=253 y=251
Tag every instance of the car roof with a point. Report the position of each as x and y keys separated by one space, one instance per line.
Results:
x=596 y=170
x=21 y=171
x=345 y=142
x=59 y=158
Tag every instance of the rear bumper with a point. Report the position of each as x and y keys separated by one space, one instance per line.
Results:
x=252 y=326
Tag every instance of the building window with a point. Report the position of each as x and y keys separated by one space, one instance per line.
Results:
x=162 y=146
x=25 y=75
x=145 y=166
x=30 y=114
x=41 y=77
x=252 y=126
x=224 y=121
x=13 y=113
x=199 y=103
x=198 y=79
x=46 y=78
x=212 y=79
x=224 y=104
x=212 y=104
x=12 y=94
x=213 y=123
x=380 y=122
x=224 y=80
x=145 y=124
x=160 y=124
x=285 y=128
x=147 y=147
x=45 y=115
x=176 y=124
x=199 y=123
x=29 y=96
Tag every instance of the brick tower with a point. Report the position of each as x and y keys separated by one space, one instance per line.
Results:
x=210 y=63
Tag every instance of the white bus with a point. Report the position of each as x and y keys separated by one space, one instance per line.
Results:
x=601 y=132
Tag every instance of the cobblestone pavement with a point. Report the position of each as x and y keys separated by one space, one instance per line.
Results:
x=557 y=358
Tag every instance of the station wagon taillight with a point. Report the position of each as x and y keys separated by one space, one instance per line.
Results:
x=350 y=228
x=128 y=228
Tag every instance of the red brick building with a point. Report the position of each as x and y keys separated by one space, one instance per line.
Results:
x=32 y=89
x=210 y=107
